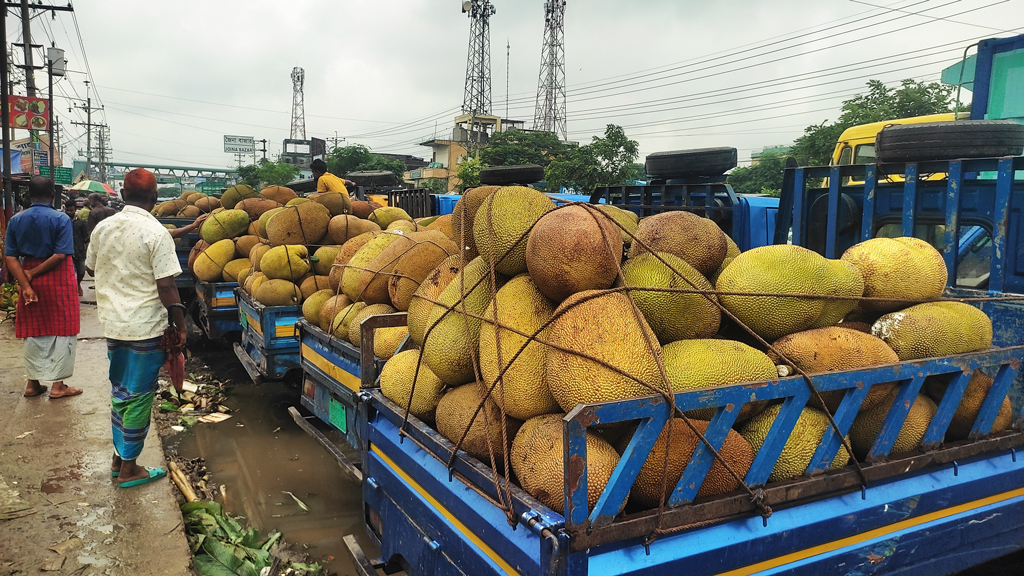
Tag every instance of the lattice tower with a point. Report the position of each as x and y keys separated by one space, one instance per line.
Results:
x=298 y=131
x=477 y=98
x=549 y=113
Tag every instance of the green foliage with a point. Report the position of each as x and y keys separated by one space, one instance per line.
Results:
x=435 y=185
x=880 y=103
x=468 y=174
x=765 y=177
x=606 y=161
x=516 y=147
x=357 y=157
x=268 y=173
x=165 y=191
x=636 y=171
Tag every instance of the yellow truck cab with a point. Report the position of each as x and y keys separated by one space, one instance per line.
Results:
x=856 y=144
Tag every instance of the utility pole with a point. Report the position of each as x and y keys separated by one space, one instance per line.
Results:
x=264 y=150
x=88 y=130
x=26 y=35
x=335 y=140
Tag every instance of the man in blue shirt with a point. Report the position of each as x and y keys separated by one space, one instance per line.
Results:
x=39 y=252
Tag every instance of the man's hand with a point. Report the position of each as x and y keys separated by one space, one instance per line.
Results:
x=199 y=221
x=28 y=295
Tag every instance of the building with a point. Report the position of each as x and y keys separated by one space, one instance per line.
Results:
x=755 y=157
x=470 y=132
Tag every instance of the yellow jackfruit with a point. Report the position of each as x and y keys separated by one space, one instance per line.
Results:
x=572 y=249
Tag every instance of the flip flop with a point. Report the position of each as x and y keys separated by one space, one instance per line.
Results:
x=114 y=473
x=69 y=391
x=42 y=390
x=154 y=474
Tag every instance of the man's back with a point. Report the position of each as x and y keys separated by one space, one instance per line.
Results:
x=129 y=252
x=39 y=232
x=98 y=214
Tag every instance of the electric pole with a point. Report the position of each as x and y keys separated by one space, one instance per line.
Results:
x=88 y=131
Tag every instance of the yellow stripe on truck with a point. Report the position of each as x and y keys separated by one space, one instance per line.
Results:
x=345 y=378
x=871 y=534
x=505 y=566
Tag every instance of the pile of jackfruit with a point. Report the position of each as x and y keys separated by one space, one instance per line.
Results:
x=519 y=311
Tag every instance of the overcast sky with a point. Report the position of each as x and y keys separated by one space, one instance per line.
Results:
x=174 y=77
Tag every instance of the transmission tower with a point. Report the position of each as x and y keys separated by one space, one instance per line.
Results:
x=549 y=113
x=298 y=131
x=477 y=99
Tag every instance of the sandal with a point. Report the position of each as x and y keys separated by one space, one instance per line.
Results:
x=154 y=474
x=42 y=390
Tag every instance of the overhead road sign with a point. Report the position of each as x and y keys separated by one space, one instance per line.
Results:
x=239 y=144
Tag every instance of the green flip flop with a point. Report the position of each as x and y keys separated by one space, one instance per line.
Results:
x=154 y=474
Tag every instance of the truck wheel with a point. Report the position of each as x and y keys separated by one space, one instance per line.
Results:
x=371 y=178
x=696 y=162
x=506 y=175
x=949 y=140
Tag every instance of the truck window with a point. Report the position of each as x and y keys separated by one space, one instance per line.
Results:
x=864 y=154
x=975 y=257
x=845 y=156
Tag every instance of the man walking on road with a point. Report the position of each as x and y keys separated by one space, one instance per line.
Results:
x=80 y=234
x=39 y=252
x=132 y=256
x=98 y=210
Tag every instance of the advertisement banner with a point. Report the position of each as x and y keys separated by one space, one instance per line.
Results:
x=28 y=113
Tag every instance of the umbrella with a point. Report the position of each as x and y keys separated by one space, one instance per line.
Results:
x=94 y=186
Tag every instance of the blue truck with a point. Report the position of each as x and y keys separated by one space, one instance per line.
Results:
x=938 y=510
x=269 y=348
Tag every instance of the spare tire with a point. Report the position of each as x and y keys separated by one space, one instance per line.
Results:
x=370 y=178
x=696 y=162
x=507 y=175
x=949 y=140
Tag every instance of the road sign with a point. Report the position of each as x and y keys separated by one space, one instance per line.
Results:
x=239 y=144
x=63 y=174
x=210 y=188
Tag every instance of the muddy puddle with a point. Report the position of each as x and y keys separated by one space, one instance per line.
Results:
x=260 y=453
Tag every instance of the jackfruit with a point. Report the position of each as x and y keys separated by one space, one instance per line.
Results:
x=261 y=224
x=343 y=319
x=256 y=207
x=296 y=201
x=256 y=255
x=868 y=423
x=279 y=194
x=363 y=209
x=243 y=274
x=330 y=308
x=355 y=334
x=387 y=340
x=257 y=280
x=787 y=269
x=352 y=274
x=800 y=446
x=383 y=217
x=443 y=224
x=189 y=211
x=970 y=404
x=605 y=327
x=907 y=268
x=403 y=225
x=697 y=240
x=428 y=291
x=832 y=349
x=285 y=262
x=226 y=224
x=232 y=268
x=236 y=194
x=323 y=259
x=335 y=202
x=195 y=252
x=537 y=461
x=449 y=348
x=457 y=416
x=413 y=266
x=572 y=249
x=302 y=224
x=626 y=221
x=207 y=204
x=396 y=384
x=647 y=489
x=501 y=224
x=463 y=216
x=348 y=249
x=372 y=284
x=209 y=265
x=311 y=283
x=709 y=363
x=935 y=329
x=518 y=306
x=276 y=292
x=244 y=244
x=345 y=227
x=672 y=315
x=312 y=305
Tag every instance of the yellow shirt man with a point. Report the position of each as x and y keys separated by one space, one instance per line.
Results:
x=327 y=182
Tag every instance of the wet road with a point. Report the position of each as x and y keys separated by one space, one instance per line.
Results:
x=260 y=453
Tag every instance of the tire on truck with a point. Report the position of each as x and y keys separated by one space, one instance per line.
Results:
x=695 y=162
x=508 y=175
x=949 y=140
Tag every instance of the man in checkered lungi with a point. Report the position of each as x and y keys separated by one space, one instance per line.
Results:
x=39 y=252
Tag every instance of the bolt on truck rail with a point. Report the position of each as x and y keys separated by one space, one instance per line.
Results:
x=937 y=510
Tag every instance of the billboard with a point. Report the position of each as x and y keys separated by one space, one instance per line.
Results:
x=28 y=113
x=239 y=145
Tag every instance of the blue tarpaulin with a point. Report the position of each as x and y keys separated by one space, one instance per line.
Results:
x=15 y=162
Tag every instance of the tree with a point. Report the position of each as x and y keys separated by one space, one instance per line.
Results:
x=435 y=185
x=880 y=103
x=515 y=147
x=357 y=157
x=468 y=174
x=765 y=177
x=268 y=172
x=606 y=161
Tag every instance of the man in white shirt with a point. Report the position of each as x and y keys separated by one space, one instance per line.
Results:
x=133 y=259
